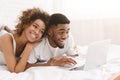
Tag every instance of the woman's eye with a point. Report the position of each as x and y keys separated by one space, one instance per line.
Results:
x=41 y=31
x=35 y=26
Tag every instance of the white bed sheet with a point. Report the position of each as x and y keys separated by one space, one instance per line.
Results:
x=56 y=73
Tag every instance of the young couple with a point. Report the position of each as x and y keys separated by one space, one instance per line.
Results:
x=38 y=37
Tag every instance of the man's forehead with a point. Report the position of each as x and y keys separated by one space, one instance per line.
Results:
x=62 y=26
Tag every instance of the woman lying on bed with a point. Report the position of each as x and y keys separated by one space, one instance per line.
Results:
x=16 y=47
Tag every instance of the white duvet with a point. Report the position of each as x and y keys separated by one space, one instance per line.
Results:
x=56 y=73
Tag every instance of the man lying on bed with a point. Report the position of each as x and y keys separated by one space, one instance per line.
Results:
x=56 y=45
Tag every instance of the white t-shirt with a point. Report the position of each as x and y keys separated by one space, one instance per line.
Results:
x=44 y=51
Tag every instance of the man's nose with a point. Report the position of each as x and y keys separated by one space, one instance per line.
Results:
x=64 y=36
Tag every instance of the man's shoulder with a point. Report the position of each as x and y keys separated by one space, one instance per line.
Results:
x=70 y=38
x=69 y=41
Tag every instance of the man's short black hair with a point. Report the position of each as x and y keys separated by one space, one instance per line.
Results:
x=58 y=18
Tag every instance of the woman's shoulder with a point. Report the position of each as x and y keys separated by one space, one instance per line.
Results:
x=6 y=37
x=5 y=41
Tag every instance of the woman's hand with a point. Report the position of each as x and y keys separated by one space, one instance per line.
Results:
x=31 y=45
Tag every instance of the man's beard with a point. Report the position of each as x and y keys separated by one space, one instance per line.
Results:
x=60 y=46
x=55 y=42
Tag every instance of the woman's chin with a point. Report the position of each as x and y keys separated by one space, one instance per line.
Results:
x=32 y=40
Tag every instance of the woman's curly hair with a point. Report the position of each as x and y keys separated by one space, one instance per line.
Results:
x=30 y=16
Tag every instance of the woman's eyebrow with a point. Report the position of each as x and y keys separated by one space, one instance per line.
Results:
x=36 y=24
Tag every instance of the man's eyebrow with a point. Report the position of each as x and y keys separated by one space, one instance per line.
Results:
x=63 y=29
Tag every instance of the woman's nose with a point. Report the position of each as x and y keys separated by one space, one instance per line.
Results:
x=37 y=31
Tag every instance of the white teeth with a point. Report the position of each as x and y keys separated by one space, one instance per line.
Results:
x=62 y=41
x=33 y=36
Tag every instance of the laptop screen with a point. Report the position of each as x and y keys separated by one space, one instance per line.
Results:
x=97 y=54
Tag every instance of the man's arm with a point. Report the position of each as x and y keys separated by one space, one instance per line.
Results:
x=35 y=65
x=57 y=61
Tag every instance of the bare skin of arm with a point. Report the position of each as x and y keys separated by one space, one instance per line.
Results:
x=9 y=55
x=116 y=76
x=57 y=61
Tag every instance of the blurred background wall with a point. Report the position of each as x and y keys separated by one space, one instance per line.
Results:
x=91 y=20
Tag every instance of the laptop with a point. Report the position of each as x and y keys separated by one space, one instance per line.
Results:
x=95 y=57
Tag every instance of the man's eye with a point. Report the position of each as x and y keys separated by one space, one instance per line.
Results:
x=61 y=32
x=67 y=32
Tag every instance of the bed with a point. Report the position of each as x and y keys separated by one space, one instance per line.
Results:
x=104 y=72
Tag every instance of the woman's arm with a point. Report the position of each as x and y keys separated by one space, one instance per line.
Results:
x=8 y=51
x=9 y=55
x=21 y=65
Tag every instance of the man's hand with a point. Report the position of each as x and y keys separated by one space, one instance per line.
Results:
x=61 y=61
